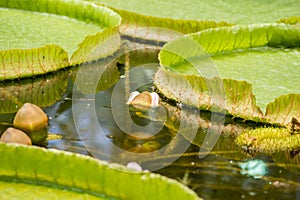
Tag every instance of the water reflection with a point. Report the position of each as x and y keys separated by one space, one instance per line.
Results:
x=226 y=172
x=42 y=91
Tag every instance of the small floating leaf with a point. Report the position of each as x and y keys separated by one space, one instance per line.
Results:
x=268 y=140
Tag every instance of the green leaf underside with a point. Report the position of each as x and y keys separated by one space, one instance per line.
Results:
x=239 y=53
x=283 y=109
x=234 y=96
x=238 y=12
x=80 y=175
x=18 y=63
x=33 y=29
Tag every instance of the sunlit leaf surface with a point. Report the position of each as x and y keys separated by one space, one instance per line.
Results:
x=73 y=176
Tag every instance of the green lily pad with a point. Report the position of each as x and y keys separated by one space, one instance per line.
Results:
x=33 y=171
x=242 y=58
x=193 y=16
x=34 y=29
x=134 y=18
x=219 y=10
x=272 y=71
x=40 y=37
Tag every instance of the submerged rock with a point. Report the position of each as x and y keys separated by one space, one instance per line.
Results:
x=12 y=135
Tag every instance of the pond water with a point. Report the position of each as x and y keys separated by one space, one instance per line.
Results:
x=95 y=124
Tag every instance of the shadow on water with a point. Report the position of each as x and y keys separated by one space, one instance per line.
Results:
x=225 y=172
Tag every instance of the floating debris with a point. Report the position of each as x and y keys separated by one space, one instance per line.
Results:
x=135 y=166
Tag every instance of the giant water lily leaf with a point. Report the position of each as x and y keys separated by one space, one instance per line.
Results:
x=238 y=54
x=24 y=29
x=237 y=12
x=272 y=72
x=42 y=91
x=167 y=30
x=19 y=63
x=192 y=16
x=98 y=46
x=75 y=176
x=202 y=93
x=56 y=28
x=133 y=18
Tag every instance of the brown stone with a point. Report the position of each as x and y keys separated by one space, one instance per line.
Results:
x=142 y=100
x=12 y=135
x=30 y=117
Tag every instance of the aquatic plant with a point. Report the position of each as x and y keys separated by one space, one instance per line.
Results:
x=268 y=140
